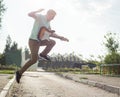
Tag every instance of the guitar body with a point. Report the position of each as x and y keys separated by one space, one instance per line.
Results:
x=44 y=33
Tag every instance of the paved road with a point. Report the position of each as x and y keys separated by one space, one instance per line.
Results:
x=44 y=84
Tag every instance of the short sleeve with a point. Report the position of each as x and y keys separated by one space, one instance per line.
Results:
x=38 y=16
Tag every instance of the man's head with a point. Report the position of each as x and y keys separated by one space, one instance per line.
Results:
x=50 y=14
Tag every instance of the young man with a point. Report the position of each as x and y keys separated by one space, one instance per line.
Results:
x=35 y=43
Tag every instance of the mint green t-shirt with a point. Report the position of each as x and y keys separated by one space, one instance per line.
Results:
x=39 y=22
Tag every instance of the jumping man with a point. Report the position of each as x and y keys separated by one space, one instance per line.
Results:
x=35 y=42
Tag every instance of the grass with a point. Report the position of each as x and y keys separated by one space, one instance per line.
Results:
x=63 y=70
x=10 y=77
x=73 y=70
x=7 y=71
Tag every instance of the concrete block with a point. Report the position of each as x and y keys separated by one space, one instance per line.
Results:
x=100 y=85
x=112 y=89
x=68 y=77
x=84 y=81
x=92 y=83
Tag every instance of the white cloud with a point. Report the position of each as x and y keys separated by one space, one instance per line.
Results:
x=94 y=7
x=100 y=7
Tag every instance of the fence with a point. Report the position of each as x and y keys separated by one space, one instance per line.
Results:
x=110 y=69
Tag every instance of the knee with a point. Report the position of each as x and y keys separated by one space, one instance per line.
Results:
x=34 y=60
x=52 y=42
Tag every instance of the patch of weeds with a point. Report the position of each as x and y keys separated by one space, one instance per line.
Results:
x=83 y=78
x=7 y=71
x=10 y=77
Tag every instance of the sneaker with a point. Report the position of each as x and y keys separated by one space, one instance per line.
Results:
x=18 y=76
x=43 y=57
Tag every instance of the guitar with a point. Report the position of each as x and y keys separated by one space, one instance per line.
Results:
x=44 y=33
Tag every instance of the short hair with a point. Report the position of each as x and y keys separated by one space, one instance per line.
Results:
x=51 y=11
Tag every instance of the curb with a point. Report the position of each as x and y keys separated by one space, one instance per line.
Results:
x=7 y=89
x=109 y=88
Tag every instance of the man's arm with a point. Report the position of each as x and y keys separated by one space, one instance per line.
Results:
x=59 y=37
x=32 y=14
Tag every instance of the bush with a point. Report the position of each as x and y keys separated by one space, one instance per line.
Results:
x=8 y=67
x=112 y=58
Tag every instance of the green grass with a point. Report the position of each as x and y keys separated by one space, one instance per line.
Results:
x=63 y=70
x=7 y=71
x=73 y=70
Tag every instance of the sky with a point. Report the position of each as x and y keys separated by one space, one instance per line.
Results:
x=83 y=22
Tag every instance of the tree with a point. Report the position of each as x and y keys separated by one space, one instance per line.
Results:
x=27 y=53
x=14 y=46
x=112 y=46
x=12 y=53
x=2 y=59
x=111 y=43
x=8 y=44
x=112 y=58
x=6 y=51
x=2 y=10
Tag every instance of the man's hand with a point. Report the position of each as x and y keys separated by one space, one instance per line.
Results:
x=32 y=14
x=39 y=10
x=64 y=39
x=59 y=37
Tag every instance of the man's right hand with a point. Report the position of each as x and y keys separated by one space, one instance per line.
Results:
x=32 y=14
x=39 y=10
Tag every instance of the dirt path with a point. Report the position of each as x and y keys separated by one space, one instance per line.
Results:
x=43 y=84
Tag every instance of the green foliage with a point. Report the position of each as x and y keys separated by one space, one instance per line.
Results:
x=73 y=70
x=8 y=44
x=2 y=59
x=111 y=69
x=11 y=54
x=8 y=67
x=111 y=43
x=112 y=58
x=7 y=71
x=112 y=46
